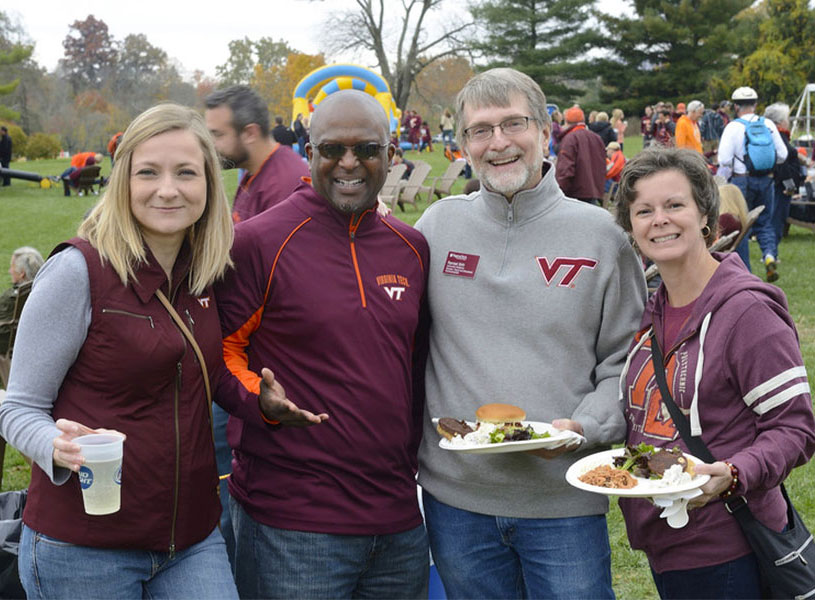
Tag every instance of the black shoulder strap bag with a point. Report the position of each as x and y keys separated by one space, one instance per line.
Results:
x=786 y=558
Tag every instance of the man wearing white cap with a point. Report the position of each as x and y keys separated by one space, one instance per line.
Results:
x=755 y=185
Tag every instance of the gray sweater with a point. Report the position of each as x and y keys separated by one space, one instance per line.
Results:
x=530 y=326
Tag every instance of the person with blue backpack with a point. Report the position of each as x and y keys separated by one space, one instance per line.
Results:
x=748 y=152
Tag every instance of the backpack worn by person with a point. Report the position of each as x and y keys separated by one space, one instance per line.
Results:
x=759 y=150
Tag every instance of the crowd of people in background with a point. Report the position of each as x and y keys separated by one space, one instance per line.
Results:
x=329 y=333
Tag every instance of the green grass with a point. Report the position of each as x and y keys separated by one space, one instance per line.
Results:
x=42 y=218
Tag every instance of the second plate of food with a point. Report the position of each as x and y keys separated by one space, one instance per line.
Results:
x=643 y=488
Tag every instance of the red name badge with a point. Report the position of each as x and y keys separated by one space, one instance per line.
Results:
x=460 y=264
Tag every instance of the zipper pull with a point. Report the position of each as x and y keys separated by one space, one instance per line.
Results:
x=189 y=318
x=178 y=369
x=172 y=551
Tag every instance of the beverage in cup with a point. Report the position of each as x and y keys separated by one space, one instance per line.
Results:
x=100 y=477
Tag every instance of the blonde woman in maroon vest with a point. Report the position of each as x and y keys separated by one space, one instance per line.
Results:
x=97 y=348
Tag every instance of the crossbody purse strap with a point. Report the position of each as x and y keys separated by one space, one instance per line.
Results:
x=191 y=339
x=695 y=444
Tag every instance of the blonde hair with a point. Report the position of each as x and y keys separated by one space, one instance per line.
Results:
x=616 y=115
x=731 y=200
x=112 y=229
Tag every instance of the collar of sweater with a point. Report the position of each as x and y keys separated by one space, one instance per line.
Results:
x=526 y=204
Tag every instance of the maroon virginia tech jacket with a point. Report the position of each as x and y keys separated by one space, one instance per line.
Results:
x=581 y=164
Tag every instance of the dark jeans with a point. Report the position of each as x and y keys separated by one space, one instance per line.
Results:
x=735 y=579
x=282 y=563
x=6 y=178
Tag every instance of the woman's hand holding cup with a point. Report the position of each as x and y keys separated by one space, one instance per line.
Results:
x=68 y=454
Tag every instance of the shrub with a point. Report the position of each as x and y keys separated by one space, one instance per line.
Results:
x=18 y=139
x=42 y=145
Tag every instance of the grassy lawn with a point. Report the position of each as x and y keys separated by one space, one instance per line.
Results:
x=43 y=217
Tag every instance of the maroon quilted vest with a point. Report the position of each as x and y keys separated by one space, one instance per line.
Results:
x=136 y=373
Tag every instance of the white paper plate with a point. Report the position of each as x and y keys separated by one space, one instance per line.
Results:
x=645 y=488
x=558 y=438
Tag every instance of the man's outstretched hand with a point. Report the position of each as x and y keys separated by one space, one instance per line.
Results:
x=277 y=407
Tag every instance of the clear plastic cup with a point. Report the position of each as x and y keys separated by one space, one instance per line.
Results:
x=100 y=477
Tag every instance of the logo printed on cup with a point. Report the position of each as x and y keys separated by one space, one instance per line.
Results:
x=85 y=477
x=118 y=476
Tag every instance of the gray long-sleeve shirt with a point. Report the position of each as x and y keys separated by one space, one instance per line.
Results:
x=52 y=329
x=533 y=303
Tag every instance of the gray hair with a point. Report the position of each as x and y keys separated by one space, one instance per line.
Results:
x=695 y=105
x=496 y=87
x=246 y=105
x=777 y=112
x=688 y=162
x=27 y=260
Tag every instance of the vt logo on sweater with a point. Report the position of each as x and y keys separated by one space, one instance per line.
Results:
x=554 y=270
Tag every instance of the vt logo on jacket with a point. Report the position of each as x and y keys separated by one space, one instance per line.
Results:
x=554 y=269
x=394 y=285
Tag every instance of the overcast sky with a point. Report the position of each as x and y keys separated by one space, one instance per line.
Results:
x=196 y=33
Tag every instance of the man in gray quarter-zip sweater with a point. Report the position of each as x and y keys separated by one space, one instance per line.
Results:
x=534 y=298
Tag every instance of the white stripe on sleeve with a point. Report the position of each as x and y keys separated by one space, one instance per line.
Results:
x=771 y=384
x=781 y=397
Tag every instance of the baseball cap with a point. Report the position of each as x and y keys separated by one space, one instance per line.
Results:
x=744 y=93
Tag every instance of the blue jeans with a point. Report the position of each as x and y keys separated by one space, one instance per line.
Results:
x=50 y=568
x=760 y=191
x=484 y=556
x=223 y=457
x=281 y=563
x=738 y=578
x=447 y=136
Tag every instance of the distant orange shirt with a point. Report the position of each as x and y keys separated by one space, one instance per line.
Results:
x=688 y=134
x=80 y=158
x=614 y=165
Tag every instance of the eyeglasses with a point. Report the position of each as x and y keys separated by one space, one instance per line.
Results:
x=363 y=151
x=511 y=126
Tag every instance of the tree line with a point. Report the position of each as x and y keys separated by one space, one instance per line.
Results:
x=671 y=50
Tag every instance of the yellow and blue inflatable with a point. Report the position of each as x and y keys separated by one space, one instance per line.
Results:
x=332 y=78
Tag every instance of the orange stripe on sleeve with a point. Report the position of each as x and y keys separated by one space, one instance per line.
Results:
x=234 y=345
x=404 y=239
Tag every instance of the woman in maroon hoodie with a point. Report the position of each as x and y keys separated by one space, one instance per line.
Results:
x=97 y=348
x=733 y=366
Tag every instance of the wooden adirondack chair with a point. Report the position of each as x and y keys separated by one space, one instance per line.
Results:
x=23 y=290
x=10 y=326
x=752 y=217
x=411 y=188
x=393 y=181
x=88 y=178
x=440 y=186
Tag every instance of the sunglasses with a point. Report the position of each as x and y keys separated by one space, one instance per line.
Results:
x=363 y=151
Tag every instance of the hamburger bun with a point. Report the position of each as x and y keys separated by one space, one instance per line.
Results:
x=499 y=413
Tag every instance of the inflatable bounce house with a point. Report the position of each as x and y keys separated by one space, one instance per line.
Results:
x=332 y=78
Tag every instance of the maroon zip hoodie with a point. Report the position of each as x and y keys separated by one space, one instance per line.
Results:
x=331 y=304
x=736 y=371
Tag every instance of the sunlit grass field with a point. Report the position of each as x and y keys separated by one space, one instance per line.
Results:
x=42 y=218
